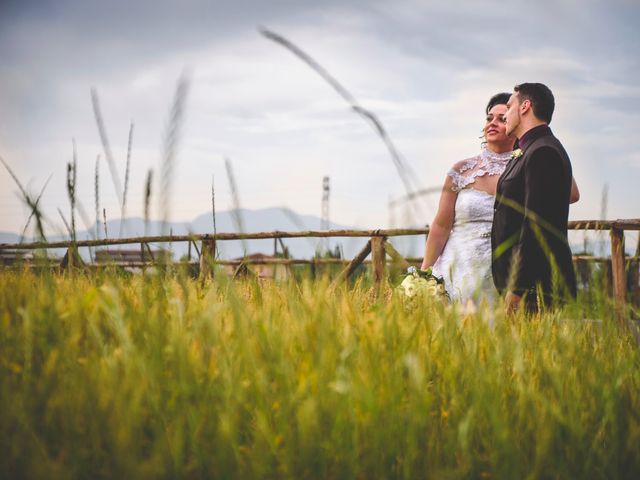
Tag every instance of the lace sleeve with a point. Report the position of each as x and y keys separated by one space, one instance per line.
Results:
x=460 y=181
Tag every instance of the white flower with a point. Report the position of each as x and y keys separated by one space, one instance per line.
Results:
x=413 y=285
x=517 y=153
x=419 y=282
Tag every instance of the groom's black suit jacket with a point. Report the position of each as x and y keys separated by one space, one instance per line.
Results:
x=529 y=233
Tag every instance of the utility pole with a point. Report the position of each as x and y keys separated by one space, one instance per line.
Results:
x=324 y=223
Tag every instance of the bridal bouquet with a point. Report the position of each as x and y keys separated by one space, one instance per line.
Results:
x=420 y=283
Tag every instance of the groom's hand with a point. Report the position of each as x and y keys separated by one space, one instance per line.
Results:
x=511 y=302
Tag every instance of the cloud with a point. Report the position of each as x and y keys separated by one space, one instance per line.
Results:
x=426 y=68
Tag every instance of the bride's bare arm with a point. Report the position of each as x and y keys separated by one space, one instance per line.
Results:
x=441 y=226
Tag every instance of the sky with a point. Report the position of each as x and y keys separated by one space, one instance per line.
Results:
x=425 y=68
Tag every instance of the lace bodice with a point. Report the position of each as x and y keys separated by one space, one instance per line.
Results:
x=486 y=163
x=465 y=262
x=474 y=207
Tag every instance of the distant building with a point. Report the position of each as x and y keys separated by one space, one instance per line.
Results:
x=257 y=265
x=131 y=256
x=9 y=258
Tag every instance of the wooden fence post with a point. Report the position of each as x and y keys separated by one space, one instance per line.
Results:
x=353 y=264
x=142 y=257
x=634 y=266
x=71 y=258
x=153 y=259
x=207 y=257
x=396 y=256
x=378 y=260
x=618 y=273
x=636 y=275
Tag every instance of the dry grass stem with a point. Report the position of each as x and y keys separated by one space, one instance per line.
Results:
x=404 y=170
x=147 y=199
x=123 y=213
x=66 y=224
x=96 y=188
x=104 y=220
x=32 y=203
x=36 y=204
x=105 y=144
x=236 y=212
x=171 y=138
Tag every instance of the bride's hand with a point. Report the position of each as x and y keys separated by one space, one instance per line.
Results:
x=511 y=302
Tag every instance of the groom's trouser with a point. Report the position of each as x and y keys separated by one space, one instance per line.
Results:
x=536 y=301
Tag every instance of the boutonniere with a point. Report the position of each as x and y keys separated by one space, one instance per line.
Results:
x=517 y=153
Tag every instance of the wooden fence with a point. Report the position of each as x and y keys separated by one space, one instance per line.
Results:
x=377 y=246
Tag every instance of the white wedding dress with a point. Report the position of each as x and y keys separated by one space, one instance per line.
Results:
x=465 y=261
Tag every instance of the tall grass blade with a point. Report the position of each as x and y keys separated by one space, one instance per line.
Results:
x=66 y=224
x=105 y=144
x=123 y=213
x=404 y=170
x=134 y=376
x=172 y=135
x=236 y=213
x=213 y=214
x=32 y=214
x=147 y=199
x=104 y=220
x=31 y=203
x=213 y=204
x=86 y=220
x=72 y=178
x=96 y=188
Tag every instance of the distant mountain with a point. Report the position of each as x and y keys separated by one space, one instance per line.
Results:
x=6 y=237
x=266 y=220
x=262 y=220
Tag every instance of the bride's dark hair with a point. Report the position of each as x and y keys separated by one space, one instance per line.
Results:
x=497 y=99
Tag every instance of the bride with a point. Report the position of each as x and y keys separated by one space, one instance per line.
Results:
x=459 y=241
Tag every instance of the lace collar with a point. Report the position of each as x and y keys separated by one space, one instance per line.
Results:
x=488 y=163
x=492 y=159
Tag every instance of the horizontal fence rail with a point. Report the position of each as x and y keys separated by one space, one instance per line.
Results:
x=219 y=237
x=633 y=224
x=377 y=246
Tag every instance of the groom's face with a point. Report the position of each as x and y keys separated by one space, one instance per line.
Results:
x=513 y=114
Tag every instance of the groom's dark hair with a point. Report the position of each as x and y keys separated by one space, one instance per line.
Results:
x=497 y=99
x=541 y=99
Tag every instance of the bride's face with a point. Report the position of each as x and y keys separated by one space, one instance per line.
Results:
x=495 y=126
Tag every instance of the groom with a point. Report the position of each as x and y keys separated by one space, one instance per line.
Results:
x=531 y=256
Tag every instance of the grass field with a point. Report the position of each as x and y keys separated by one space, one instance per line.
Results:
x=110 y=376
